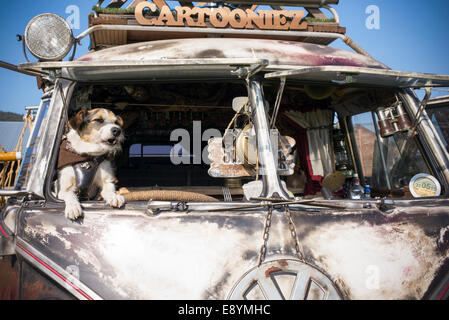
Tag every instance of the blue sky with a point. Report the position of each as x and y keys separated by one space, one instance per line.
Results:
x=413 y=36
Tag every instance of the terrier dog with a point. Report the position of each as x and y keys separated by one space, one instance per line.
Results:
x=85 y=160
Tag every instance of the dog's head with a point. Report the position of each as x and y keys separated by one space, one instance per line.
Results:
x=99 y=127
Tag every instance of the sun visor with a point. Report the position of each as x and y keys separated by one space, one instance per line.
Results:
x=168 y=69
x=362 y=77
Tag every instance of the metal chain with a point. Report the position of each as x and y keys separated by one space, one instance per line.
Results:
x=292 y=228
x=266 y=231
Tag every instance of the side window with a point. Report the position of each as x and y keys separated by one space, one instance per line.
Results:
x=388 y=164
x=440 y=119
x=31 y=148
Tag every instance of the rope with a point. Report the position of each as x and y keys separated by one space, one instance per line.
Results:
x=237 y=114
x=165 y=195
x=11 y=168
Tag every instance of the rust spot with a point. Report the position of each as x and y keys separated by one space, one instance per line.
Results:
x=85 y=59
x=283 y=263
x=211 y=53
x=9 y=278
x=443 y=239
x=271 y=270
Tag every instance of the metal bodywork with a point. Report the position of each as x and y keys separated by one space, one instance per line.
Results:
x=281 y=55
x=378 y=249
x=127 y=254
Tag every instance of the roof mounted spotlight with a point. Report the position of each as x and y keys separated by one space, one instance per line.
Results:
x=49 y=37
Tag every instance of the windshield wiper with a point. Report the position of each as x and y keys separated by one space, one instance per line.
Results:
x=274 y=202
x=155 y=207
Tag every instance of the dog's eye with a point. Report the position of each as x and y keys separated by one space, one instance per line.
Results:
x=99 y=120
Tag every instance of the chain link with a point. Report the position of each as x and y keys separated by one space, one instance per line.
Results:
x=293 y=233
x=266 y=232
x=263 y=248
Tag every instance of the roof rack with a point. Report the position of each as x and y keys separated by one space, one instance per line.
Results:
x=130 y=21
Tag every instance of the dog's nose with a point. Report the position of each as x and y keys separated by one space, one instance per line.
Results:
x=116 y=131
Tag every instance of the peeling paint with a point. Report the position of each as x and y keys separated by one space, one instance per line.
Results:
x=71 y=231
x=124 y=254
x=169 y=276
x=283 y=262
x=276 y=51
x=443 y=239
x=269 y=271
x=404 y=257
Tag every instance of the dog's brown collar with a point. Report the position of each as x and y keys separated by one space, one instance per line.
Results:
x=85 y=168
x=68 y=156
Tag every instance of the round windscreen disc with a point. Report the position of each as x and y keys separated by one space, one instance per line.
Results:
x=424 y=185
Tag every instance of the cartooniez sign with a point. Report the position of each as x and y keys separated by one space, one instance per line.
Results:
x=219 y=17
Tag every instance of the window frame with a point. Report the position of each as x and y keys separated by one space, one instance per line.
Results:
x=421 y=142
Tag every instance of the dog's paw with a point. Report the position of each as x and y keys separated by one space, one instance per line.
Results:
x=115 y=200
x=73 y=211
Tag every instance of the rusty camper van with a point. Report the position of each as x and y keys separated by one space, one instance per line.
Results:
x=259 y=162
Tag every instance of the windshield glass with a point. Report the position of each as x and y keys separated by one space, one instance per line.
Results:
x=439 y=114
x=166 y=131
x=388 y=163
x=203 y=138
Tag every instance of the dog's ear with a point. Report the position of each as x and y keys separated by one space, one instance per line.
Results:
x=120 y=121
x=77 y=121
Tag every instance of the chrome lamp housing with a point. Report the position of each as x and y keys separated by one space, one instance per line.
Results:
x=49 y=37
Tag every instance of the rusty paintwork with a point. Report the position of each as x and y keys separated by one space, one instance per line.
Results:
x=36 y=286
x=294 y=280
x=387 y=251
x=126 y=254
x=9 y=282
x=271 y=270
x=279 y=53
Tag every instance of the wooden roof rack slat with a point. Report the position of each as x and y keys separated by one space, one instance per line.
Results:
x=249 y=3
x=316 y=13
x=116 y=3
x=291 y=3
x=159 y=3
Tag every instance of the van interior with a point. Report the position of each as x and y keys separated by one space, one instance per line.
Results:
x=338 y=131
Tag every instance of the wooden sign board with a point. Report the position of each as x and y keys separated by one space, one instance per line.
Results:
x=242 y=20
x=148 y=14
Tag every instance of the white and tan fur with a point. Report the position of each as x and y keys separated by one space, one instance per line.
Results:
x=92 y=133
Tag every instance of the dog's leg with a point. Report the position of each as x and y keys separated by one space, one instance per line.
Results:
x=106 y=182
x=67 y=188
x=111 y=197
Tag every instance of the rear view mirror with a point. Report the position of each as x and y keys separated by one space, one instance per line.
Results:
x=243 y=102
x=238 y=103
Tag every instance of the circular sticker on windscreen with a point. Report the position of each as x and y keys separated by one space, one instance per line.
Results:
x=424 y=185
